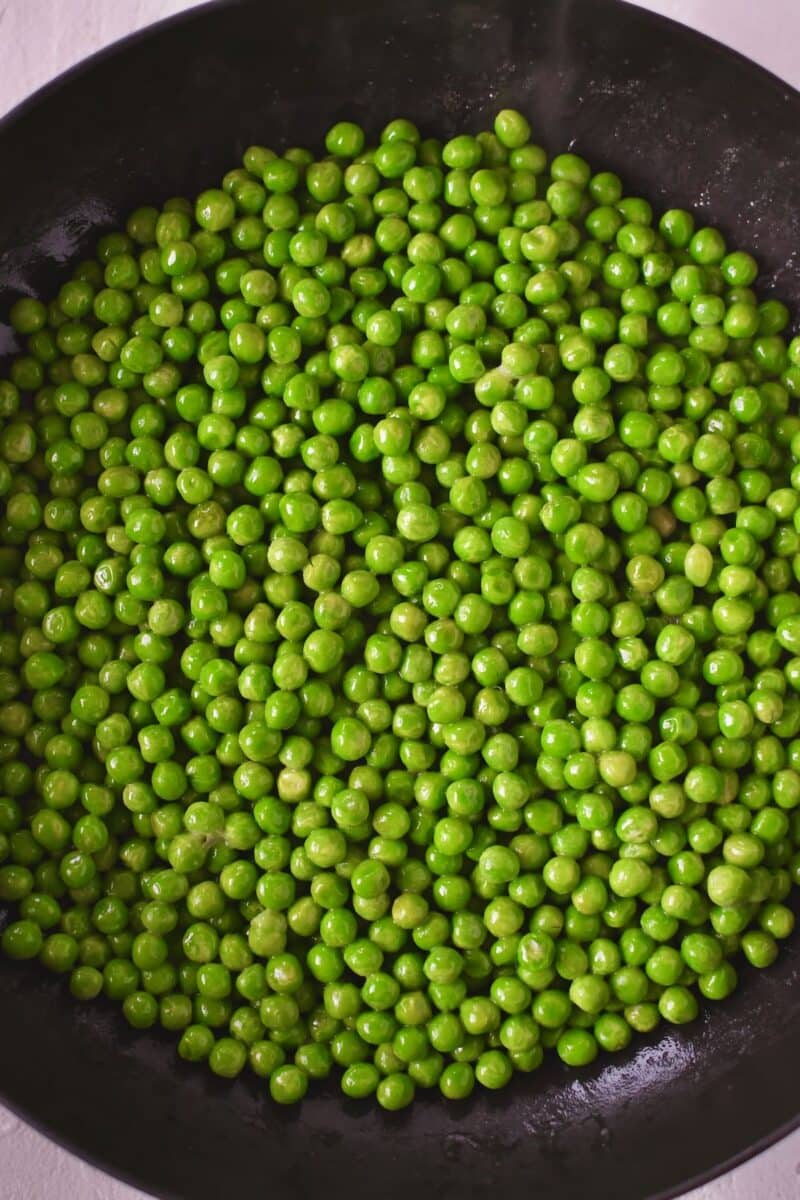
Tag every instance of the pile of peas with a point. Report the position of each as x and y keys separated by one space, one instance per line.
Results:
x=400 y=665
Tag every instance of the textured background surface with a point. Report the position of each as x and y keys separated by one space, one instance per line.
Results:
x=40 y=40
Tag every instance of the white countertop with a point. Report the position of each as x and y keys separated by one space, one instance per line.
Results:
x=42 y=38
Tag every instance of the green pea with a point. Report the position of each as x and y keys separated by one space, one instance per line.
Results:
x=460 y=661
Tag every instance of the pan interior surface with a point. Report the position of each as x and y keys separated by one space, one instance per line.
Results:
x=684 y=122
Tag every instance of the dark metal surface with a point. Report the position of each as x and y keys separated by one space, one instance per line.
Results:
x=685 y=122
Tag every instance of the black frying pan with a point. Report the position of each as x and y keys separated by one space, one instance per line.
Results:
x=685 y=121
